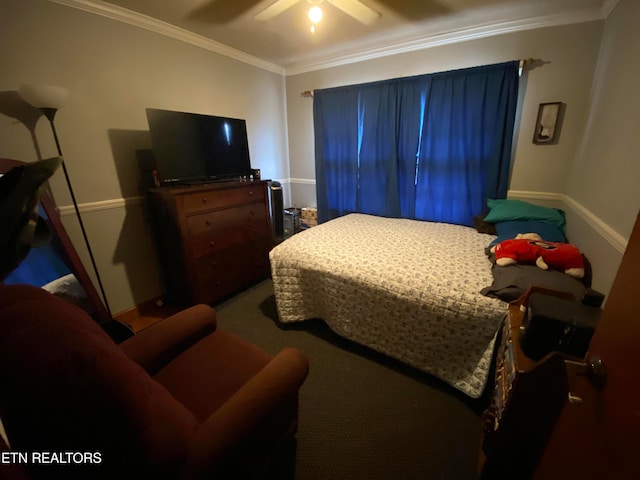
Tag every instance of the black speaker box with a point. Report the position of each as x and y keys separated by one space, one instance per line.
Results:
x=553 y=324
x=147 y=168
x=277 y=209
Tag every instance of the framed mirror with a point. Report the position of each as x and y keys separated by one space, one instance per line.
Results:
x=58 y=258
x=547 y=123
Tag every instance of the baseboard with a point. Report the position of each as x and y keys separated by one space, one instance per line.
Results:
x=147 y=313
x=136 y=311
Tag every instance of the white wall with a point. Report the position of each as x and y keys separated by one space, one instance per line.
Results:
x=593 y=174
x=605 y=176
x=568 y=54
x=114 y=71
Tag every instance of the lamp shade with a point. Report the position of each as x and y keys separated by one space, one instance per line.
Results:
x=44 y=96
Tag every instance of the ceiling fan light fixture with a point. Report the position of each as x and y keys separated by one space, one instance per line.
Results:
x=315 y=14
x=354 y=8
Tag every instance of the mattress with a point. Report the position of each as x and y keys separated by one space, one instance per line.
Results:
x=408 y=289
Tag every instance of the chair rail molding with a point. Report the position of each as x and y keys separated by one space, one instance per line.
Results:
x=101 y=205
x=616 y=240
x=301 y=181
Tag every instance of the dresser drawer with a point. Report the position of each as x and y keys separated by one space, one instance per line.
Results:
x=228 y=270
x=213 y=239
x=212 y=199
x=236 y=262
x=224 y=219
x=205 y=245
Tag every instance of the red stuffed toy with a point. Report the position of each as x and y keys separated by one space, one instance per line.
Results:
x=530 y=248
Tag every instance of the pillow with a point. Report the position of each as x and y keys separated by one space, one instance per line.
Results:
x=483 y=227
x=506 y=210
x=548 y=231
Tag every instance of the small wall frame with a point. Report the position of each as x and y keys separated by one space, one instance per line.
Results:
x=547 y=123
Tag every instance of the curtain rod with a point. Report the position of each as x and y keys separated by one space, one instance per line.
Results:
x=523 y=63
x=526 y=61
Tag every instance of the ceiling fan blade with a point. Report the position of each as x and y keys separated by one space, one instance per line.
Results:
x=275 y=9
x=357 y=10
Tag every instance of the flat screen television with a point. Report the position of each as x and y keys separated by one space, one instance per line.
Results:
x=194 y=148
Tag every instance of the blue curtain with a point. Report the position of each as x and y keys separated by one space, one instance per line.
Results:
x=336 y=143
x=41 y=265
x=431 y=147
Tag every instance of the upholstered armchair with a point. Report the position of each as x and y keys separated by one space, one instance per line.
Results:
x=181 y=399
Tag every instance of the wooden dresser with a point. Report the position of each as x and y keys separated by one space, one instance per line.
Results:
x=213 y=240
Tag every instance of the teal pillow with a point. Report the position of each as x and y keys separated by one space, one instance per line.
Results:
x=548 y=231
x=509 y=210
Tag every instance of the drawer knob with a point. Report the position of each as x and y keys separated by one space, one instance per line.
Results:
x=208 y=222
x=211 y=244
x=204 y=200
x=250 y=192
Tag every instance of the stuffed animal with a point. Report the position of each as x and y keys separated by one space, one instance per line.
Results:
x=529 y=248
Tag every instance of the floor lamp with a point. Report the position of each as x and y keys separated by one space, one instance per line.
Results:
x=48 y=99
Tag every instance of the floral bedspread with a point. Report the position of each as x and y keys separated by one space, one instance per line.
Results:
x=405 y=288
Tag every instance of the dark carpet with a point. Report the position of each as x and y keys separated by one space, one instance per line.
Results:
x=362 y=415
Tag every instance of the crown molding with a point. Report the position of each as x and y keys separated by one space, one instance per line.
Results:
x=124 y=15
x=450 y=37
x=608 y=7
x=140 y=20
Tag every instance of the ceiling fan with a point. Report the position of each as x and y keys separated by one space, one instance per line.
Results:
x=354 y=8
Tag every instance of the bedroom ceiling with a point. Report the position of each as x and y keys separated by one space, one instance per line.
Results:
x=286 y=39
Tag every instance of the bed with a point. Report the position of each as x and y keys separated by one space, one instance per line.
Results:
x=408 y=289
x=427 y=294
